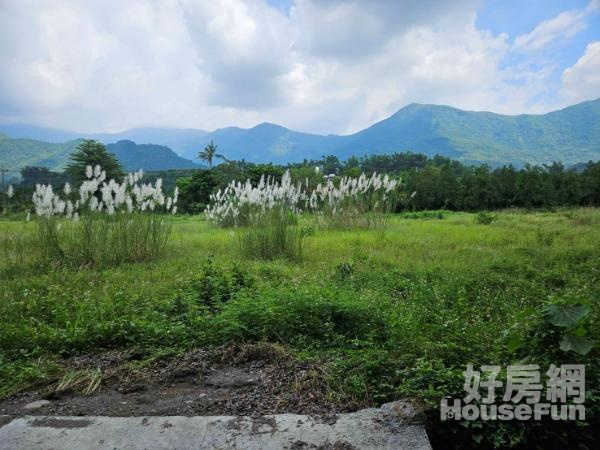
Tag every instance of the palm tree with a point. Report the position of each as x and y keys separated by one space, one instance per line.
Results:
x=209 y=152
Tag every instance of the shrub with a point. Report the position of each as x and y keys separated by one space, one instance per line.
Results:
x=321 y=316
x=216 y=285
x=545 y=238
x=196 y=191
x=484 y=218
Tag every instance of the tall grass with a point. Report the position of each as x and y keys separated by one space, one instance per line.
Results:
x=268 y=212
x=272 y=234
x=102 y=240
x=351 y=203
x=15 y=248
x=110 y=223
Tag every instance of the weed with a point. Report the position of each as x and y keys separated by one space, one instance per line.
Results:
x=85 y=381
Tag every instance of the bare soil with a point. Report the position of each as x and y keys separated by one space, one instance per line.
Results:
x=250 y=380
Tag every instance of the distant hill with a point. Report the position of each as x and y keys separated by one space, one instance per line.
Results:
x=148 y=156
x=180 y=140
x=18 y=153
x=268 y=142
x=570 y=135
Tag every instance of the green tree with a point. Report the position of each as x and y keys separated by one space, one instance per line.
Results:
x=93 y=153
x=506 y=181
x=257 y=171
x=209 y=152
x=534 y=188
x=591 y=184
x=194 y=191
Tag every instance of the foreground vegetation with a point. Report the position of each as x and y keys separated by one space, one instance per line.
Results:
x=390 y=312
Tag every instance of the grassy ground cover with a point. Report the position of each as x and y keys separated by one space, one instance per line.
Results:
x=391 y=313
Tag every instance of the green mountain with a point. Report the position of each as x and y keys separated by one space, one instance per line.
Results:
x=178 y=139
x=18 y=153
x=268 y=142
x=570 y=135
x=148 y=156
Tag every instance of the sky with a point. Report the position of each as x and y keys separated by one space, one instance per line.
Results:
x=319 y=66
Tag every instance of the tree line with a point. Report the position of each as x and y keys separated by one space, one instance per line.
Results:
x=427 y=183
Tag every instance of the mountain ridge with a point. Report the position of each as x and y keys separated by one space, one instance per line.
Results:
x=570 y=134
x=18 y=153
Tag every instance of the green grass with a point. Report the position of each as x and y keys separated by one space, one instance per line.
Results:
x=391 y=313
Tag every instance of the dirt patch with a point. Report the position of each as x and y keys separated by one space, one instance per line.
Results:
x=251 y=380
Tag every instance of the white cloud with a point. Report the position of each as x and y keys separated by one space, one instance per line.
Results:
x=582 y=80
x=330 y=66
x=564 y=26
x=243 y=47
x=354 y=29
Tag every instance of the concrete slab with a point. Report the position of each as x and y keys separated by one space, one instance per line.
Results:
x=388 y=427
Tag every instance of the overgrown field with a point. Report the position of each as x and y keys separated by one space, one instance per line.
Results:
x=390 y=313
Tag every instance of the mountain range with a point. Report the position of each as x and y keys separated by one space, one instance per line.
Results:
x=18 y=153
x=570 y=135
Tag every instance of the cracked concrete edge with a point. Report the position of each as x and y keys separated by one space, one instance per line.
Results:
x=5 y=420
x=373 y=428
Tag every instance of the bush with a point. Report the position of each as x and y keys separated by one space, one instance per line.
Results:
x=484 y=218
x=319 y=316
x=195 y=191
x=216 y=285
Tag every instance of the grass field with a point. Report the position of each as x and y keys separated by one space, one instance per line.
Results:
x=390 y=314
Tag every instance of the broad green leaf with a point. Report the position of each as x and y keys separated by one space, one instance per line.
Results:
x=577 y=344
x=566 y=315
x=514 y=344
